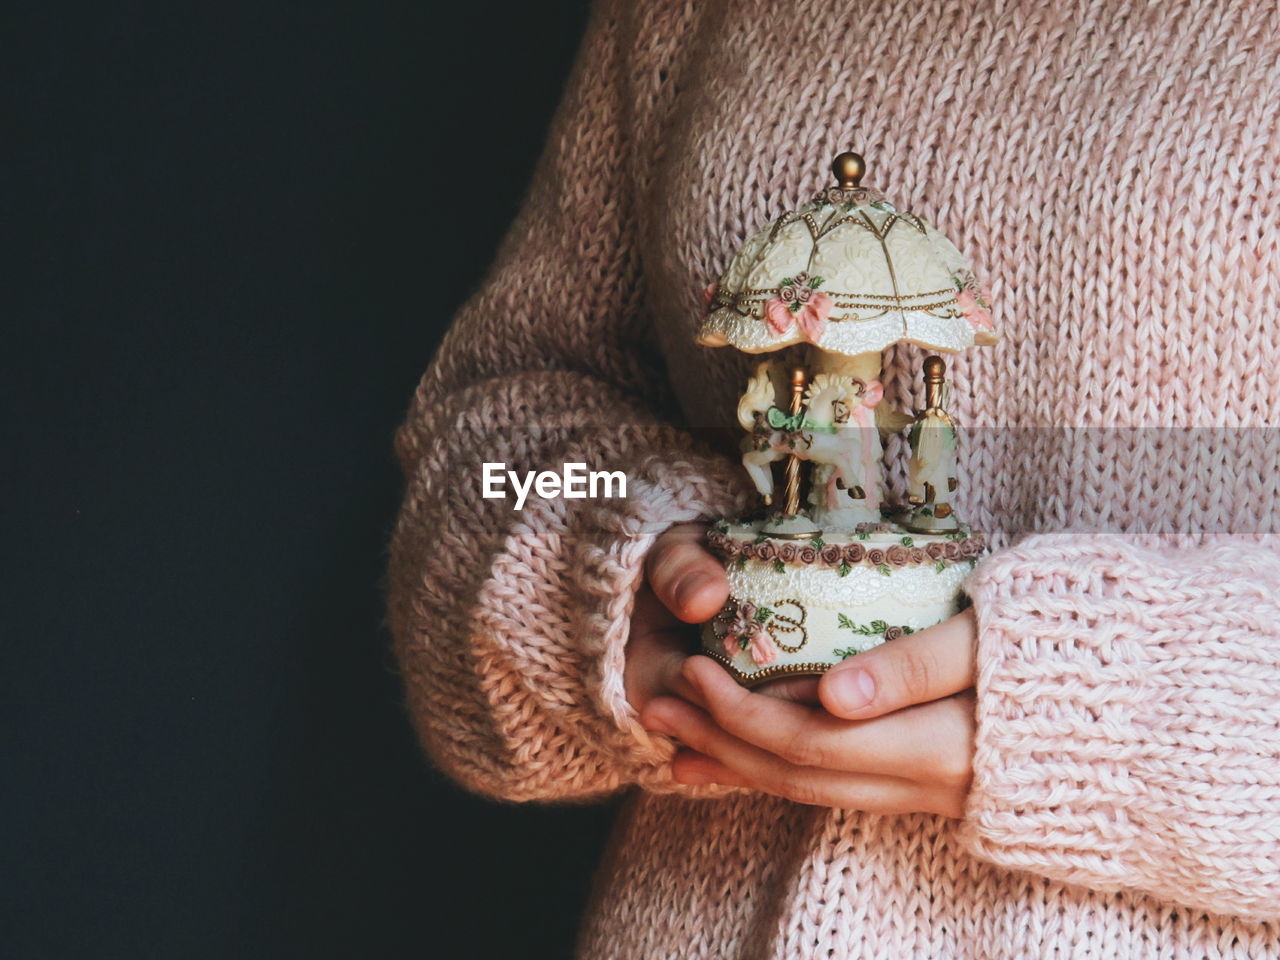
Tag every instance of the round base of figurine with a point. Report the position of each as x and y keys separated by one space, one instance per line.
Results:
x=924 y=520
x=796 y=607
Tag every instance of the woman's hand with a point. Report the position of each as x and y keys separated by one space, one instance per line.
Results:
x=685 y=584
x=894 y=732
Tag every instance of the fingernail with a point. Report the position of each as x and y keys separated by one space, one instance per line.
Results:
x=655 y=725
x=690 y=587
x=853 y=689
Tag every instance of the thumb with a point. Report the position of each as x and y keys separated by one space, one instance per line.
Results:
x=686 y=577
x=928 y=665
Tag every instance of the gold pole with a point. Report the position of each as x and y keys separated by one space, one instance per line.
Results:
x=798 y=381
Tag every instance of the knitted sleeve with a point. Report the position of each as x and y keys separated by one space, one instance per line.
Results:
x=1129 y=718
x=509 y=624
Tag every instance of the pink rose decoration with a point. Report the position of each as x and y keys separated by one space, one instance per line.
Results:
x=898 y=555
x=744 y=626
x=974 y=311
x=709 y=295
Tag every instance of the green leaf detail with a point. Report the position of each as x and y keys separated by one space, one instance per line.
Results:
x=763 y=615
x=787 y=281
x=907 y=541
x=863 y=535
x=844 y=569
x=875 y=628
x=817 y=543
x=844 y=653
x=940 y=566
x=816 y=282
x=885 y=569
x=779 y=567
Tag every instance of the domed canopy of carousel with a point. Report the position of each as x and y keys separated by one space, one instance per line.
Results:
x=851 y=273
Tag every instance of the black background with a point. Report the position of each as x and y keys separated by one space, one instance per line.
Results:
x=234 y=234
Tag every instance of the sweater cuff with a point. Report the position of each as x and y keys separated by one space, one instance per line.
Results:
x=664 y=489
x=1126 y=734
x=551 y=630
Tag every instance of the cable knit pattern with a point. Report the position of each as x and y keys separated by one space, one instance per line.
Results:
x=1109 y=169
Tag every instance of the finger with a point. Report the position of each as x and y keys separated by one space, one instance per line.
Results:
x=656 y=649
x=687 y=578
x=917 y=668
x=690 y=766
x=899 y=745
x=768 y=773
x=794 y=689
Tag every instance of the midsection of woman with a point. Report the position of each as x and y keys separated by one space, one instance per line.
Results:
x=1108 y=168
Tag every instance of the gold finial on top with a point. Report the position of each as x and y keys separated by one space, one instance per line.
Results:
x=848 y=169
x=935 y=368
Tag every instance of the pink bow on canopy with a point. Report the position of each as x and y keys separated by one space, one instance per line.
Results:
x=974 y=308
x=799 y=302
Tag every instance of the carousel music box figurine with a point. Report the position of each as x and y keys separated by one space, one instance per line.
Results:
x=848 y=274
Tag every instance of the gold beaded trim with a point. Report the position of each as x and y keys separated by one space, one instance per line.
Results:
x=748 y=302
x=759 y=292
x=750 y=680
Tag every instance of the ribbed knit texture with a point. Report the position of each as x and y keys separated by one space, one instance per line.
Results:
x=1109 y=167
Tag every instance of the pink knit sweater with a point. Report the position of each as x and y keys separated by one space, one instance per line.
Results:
x=1110 y=168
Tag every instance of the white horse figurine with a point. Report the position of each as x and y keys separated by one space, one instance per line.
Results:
x=836 y=427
